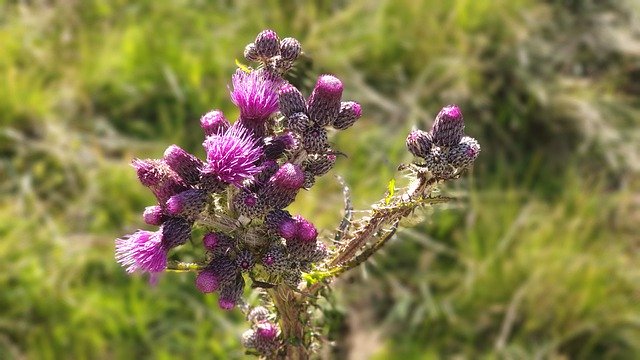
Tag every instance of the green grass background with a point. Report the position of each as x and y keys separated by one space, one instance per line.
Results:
x=539 y=258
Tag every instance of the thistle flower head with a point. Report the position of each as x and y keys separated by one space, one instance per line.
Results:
x=255 y=94
x=207 y=281
x=289 y=176
x=232 y=155
x=290 y=49
x=186 y=165
x=142 y=251
x=324 y=101
x=153 y=215
x=306 y=231
x=419 y=143
x=448 y=127
x=267 y=44
x=350 y=111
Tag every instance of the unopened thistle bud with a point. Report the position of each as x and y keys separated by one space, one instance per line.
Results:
x=218 y=243
x=448 y=127
x=248 y=204
x=154 y=215
x=245 y=260
x=290 y=100
x=292 y=276
x=319 y=164
x=306 y=231
x=175 y=232
x=268 y=168
x=419 y=143
x=437 y=163
x=251 y=53
x=186 y=165
x=315 y=140
x=299 y=122
x=350 y=111
x=230 y=293
x=289 y=176
x=214 y=122
x=188 y=204
x=207 y=281
x=159 y=178
x=290 y=49
x=279 y=223
x=248 y=339
x=324 y=102
x=465 y=153
x=319 y=253
x=258 y=314
x=275 y=260
x=275 y=146
x=267 y=44
x=266 y=340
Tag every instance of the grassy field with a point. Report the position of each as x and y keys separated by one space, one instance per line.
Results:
x=538 y=259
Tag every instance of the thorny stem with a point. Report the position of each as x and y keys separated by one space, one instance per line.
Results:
x=180 y=266
x=291 y=309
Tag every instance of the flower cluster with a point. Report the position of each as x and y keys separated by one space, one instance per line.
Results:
x=263 y=335
x=254 y=168
x=445 y=149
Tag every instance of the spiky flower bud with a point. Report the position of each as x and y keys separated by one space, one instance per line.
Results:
x=218 y=243
x=251 y=53
x=214 y=122
x=290 y=49
x=275 y=260
x=309 y=179
x=230 y=293
x=267 y=338
x=159 y=178
x=188 y=204
x=350 y=111
x=448 y=127
x=279 y=223
x=248 y=204
x=289 y=176
x=175 y=232
x=267 y=169
x=154 y=215
x=267 y=44
x=292 y=276
x=465 y=153
x=419 y=143
x=319 y=164
x=319 y=253
x=258 y=314
x=275 y=146
x=245 y=260
x=324 y=102
x=437 y=163
x=299 y=122
x=306 y=231
x=315 y=140
x=207 y=281
x=290 y=100
x=248 y=339
x=186 y=165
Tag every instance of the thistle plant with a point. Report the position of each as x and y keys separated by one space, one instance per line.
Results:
x=254 y=169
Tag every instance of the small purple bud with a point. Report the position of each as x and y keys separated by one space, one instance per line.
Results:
x=448 y=127
x=214 y=122
x=175 y=232
x=159 y=177
x=245 y=260
x=307 y=232
x=438 y=164
x=290 y=100
x=419 y=143
x=153 y=215
x=188 y=203
x=230 y=293
x=207 y=281
x=290 y=49
x=267 y=44
x=258 y=314
x=299 y=122
x=350 y=111
x=289 y=176
x=150 y=172
x=324 y=102
x=248 y=204
x=186 y=165
x=465 y=153
x=248 y=339
x=275 y=260
x=279 y=223
x=266 y=331
x=251 y=53
x=218 y=243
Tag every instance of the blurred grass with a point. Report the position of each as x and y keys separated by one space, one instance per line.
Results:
x=541 y=261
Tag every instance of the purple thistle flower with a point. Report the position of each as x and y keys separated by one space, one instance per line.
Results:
x=255 y=94
x=186 y=165
x=306 y=231
x=350 y=111
x=267 y=44
x=231 y=156
x=290 y=49
x=142 y=251
x=159 y=178
x=289 y=176
x=419 y=143
x=214 y=122
x=188 y=203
